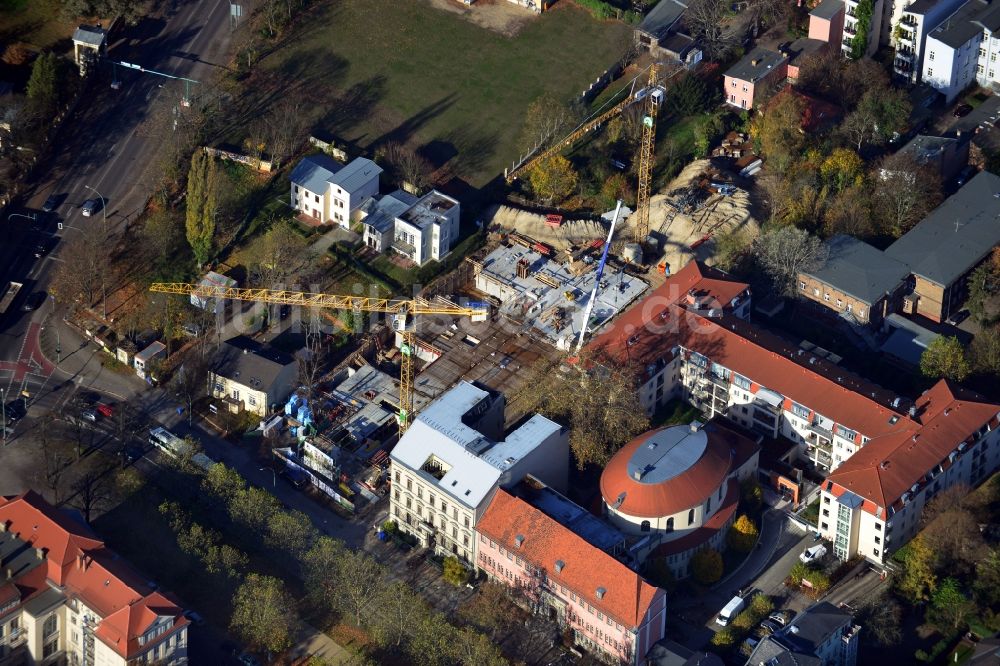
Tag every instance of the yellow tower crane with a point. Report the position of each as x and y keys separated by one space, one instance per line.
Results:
x=653 y=99
x=402 y=311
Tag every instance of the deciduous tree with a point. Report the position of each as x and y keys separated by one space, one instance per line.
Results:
x=950 y=607
x=945 y=357
x=985 y=351
x=545 y=120
x=905 y=190
x=708 y=22
x=842 y=168
x=785 y=252
x=918 y=581
x=880 y=615
x=263 y=613
x=706 y=566
x=553 y=179
x=742 y=534
x=93 y=489
x=880 y=114
x=778 y=131
x=454 y=571
x=404 y=164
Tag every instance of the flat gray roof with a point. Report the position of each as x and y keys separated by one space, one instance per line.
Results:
x=756 y=64
x=989 y=18
x=956 y=235
x=859 y=270
x=828 y=9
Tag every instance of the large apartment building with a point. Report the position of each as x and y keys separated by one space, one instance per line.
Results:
x=910 y=25
x=66 y=598
x=454 y=457
x=718 y=362
x=871 y=505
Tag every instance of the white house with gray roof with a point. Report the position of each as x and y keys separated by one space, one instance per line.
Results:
x=821 y=635
x=421 y=229
x=329 y=191
x=451 y=460
x=963 y=49
x=248 y=376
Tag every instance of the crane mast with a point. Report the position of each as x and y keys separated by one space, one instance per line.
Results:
x=641 y=228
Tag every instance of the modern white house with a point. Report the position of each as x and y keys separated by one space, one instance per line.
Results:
x=329 y=191
x=380 y=216
x=426 y=230
x=450 y=462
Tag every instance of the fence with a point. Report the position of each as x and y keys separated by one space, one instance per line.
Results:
x=264 y=166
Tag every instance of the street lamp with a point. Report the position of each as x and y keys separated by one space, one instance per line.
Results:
x=104 y=290
x=3 y=409
x=274 y=475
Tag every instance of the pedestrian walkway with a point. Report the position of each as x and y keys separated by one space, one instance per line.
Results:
x=311 y=642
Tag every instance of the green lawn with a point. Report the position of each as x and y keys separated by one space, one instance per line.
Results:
x=37 y=23
x=370 y=71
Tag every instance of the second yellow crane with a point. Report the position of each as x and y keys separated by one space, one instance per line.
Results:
x=402 y=311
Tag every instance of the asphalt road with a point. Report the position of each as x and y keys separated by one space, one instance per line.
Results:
x=103 y=146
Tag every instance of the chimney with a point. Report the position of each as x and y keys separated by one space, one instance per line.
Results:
x=246 y=351
x=518 y=540
x=4 y=526
x=10 y=573
x=559 y=565
x=913 y=411
x=754 y=62
x=601 y=592
x=40 y=553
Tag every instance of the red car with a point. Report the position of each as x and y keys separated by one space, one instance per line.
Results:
x=105 y=410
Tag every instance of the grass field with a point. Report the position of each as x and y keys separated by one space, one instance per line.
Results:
x=34 y=22
x=370 y=71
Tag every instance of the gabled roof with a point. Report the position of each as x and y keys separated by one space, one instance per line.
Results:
x=355 y=174
x=956 y=235
x=92 y=35
x=662 y=17
x=77 y=563
x=989 y=17
x=314 y=172
x=247 y=362
x=888 y=466
x=626 y=598
x=859 y=270
x=959 y=29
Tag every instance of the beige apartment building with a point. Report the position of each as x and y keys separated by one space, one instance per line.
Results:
x=67 y=599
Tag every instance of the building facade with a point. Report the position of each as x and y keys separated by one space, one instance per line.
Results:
x=67 y=598
x=609 y=608
x=455 y=456
x=249 y=376
x=677 y=489
x=757 y=75
x=426 y=231
x=871 y=505
x=853 y=22
x=910 y=25
x=857 y=283
x=330 y=192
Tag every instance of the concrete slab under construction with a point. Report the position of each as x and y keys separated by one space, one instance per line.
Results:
x=550 y=297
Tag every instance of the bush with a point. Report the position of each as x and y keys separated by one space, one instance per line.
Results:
x=706 y=566
x=751 y=495
x=742 y=535
x=725 y=638
x=454 y=571
x=761 y=605
x=600 y=9
x=389 y=527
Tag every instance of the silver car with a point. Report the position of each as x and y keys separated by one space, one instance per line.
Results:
x=89 y=207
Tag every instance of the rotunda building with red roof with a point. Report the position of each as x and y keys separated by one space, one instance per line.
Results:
x=676 y=489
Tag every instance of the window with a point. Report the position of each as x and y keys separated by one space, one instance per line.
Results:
x=991 y=73
x=993 y=57
x=296 y=189
x=691 y=517
x=50 y=649
x=253 y=401
x=930 y=56
x=875 y=551
x=732 y=83
x=878 y=526
x=50 y=626
x=825 y=526
x=979 y=69
x=930 y=72
x=826 y=513
x=708 y=505
x=861 y=312
x=840 y=303
x=878 y=540
x=815 y=291
x=802 y=285
x=670 y=524
x=826 y=297
x=645 y=526
x=826 y=499
x=850 y=307
x=800 y=411
x=845 y=433
x=317 y=197
x=236 y=394
x=741 y=382
x=982 y=52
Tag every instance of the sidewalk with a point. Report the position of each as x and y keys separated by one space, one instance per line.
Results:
x=311 y=642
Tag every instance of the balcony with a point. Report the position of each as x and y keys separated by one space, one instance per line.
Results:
x=905 y=37
x=816 y=428
x=709 y=378
x=850 y=30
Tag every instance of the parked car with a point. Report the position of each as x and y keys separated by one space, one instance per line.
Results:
x=770 y=626
x=15 y=410
x=89 y=415
x=52 y=202
x=34 y=301
x=813 y=554
x=958 y=317
x=962 y=110
x=248 y=659
x=105 y=410
x=131 y=453
x=90 y=397
x=780 y=617
x=90 y=206
x=966 y=175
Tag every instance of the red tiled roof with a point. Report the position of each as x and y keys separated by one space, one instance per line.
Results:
x=627 y=596
x=651 y=331
x=121 y=630
x=888 y=466
x=79 y=562
x=679 y=493
x=706 y=531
